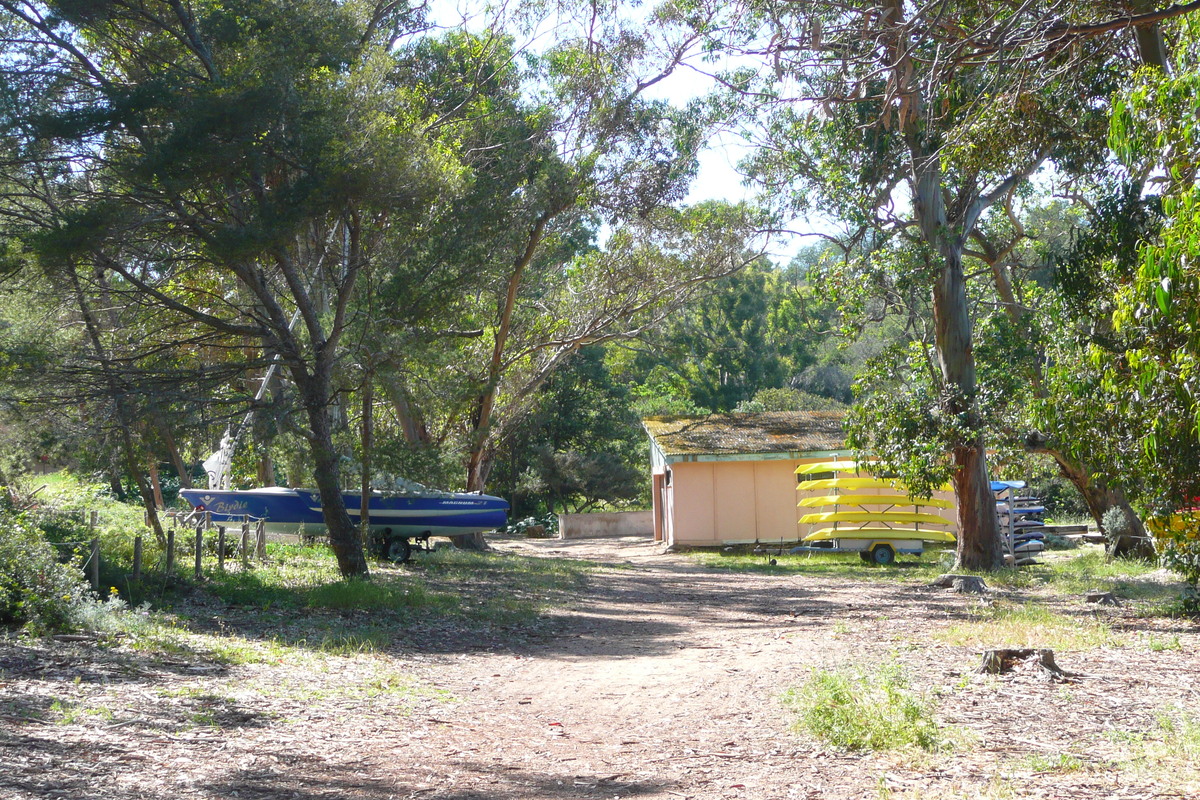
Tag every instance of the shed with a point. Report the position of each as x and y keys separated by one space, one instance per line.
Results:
x=731 y=478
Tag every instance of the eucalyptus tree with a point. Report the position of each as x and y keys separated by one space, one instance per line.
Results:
x=911 y=122
x=567 y=232
x=233 y=164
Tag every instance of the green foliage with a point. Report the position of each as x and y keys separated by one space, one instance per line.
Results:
x=1154 y=380
x=580 y=446
x=1060 y=497
x=37 y=590
x=899 y=419
x=760 y=329
x=865 y=710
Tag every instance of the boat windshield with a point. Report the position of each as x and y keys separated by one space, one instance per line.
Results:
x=398 y=485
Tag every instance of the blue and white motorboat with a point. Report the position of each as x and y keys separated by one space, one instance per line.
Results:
x=409 y=512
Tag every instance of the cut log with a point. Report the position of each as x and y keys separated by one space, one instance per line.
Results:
x=997 y=662
x=1102 y=598
x=963 y=584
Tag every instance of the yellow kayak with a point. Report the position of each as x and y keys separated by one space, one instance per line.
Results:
x=924 y=534
x=849 y=483
x=834 y=466
x=873 y=516
x=872 y=500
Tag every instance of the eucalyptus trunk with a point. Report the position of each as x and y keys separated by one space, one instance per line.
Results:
x=479 y=466
x=945 y=235
x=979 y=545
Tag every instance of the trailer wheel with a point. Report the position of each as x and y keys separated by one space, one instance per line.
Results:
x=863 y=555
x=882 y=554
x=397 y=550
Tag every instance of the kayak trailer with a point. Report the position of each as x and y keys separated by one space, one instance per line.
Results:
x=864 y=517
x=872 y=551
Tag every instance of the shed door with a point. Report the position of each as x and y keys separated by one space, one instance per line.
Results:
x=734 y=501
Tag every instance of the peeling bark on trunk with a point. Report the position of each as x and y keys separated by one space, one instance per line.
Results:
x=481 y=453
x=978 y=529
x=979 y=545
x=155 y=484
x=266 y=471
x=978 y=532
x=411 y=423
x=168 y=438
x=368 y=420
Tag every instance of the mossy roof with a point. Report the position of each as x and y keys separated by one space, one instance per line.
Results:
x=747 y=434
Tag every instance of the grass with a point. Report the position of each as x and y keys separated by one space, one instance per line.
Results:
x=1169 y=752
x=297 y=604
x=1028 y=625
x=445 y=582
x=865 y=711
x=1077 y=573
x=1159 y=644
x=69 y=712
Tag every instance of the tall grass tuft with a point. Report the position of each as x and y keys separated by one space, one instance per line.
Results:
x=865 y=711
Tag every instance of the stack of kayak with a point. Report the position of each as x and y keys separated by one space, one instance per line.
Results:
x=1022 y=521
x=848 y=508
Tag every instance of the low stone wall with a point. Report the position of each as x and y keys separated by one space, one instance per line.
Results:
x=606 y=524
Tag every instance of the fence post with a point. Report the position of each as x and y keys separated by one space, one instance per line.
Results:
x=199 y=550
x=245 y=543
x=94 y=565
x=260 y=535
x=137 y=558
x=221 y=548
x=170 y=549
x=93 y=521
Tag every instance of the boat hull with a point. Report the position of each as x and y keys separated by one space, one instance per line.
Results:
x=408 y=515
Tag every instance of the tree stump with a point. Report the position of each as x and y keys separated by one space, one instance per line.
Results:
x=997 y=662
x=1102 y=598
x=963 y=584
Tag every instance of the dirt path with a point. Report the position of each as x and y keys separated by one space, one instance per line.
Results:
x=663 y=681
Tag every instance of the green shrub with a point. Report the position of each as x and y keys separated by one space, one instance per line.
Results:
x=858 y=711
x=36 y=589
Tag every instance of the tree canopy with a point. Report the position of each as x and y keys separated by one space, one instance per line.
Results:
x=472 y=258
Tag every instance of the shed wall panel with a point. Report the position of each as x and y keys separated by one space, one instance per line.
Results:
x=692 y=491
x=775 y=489
x=734 y=501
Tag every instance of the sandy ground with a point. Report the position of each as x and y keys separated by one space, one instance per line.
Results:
x=662 y=680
